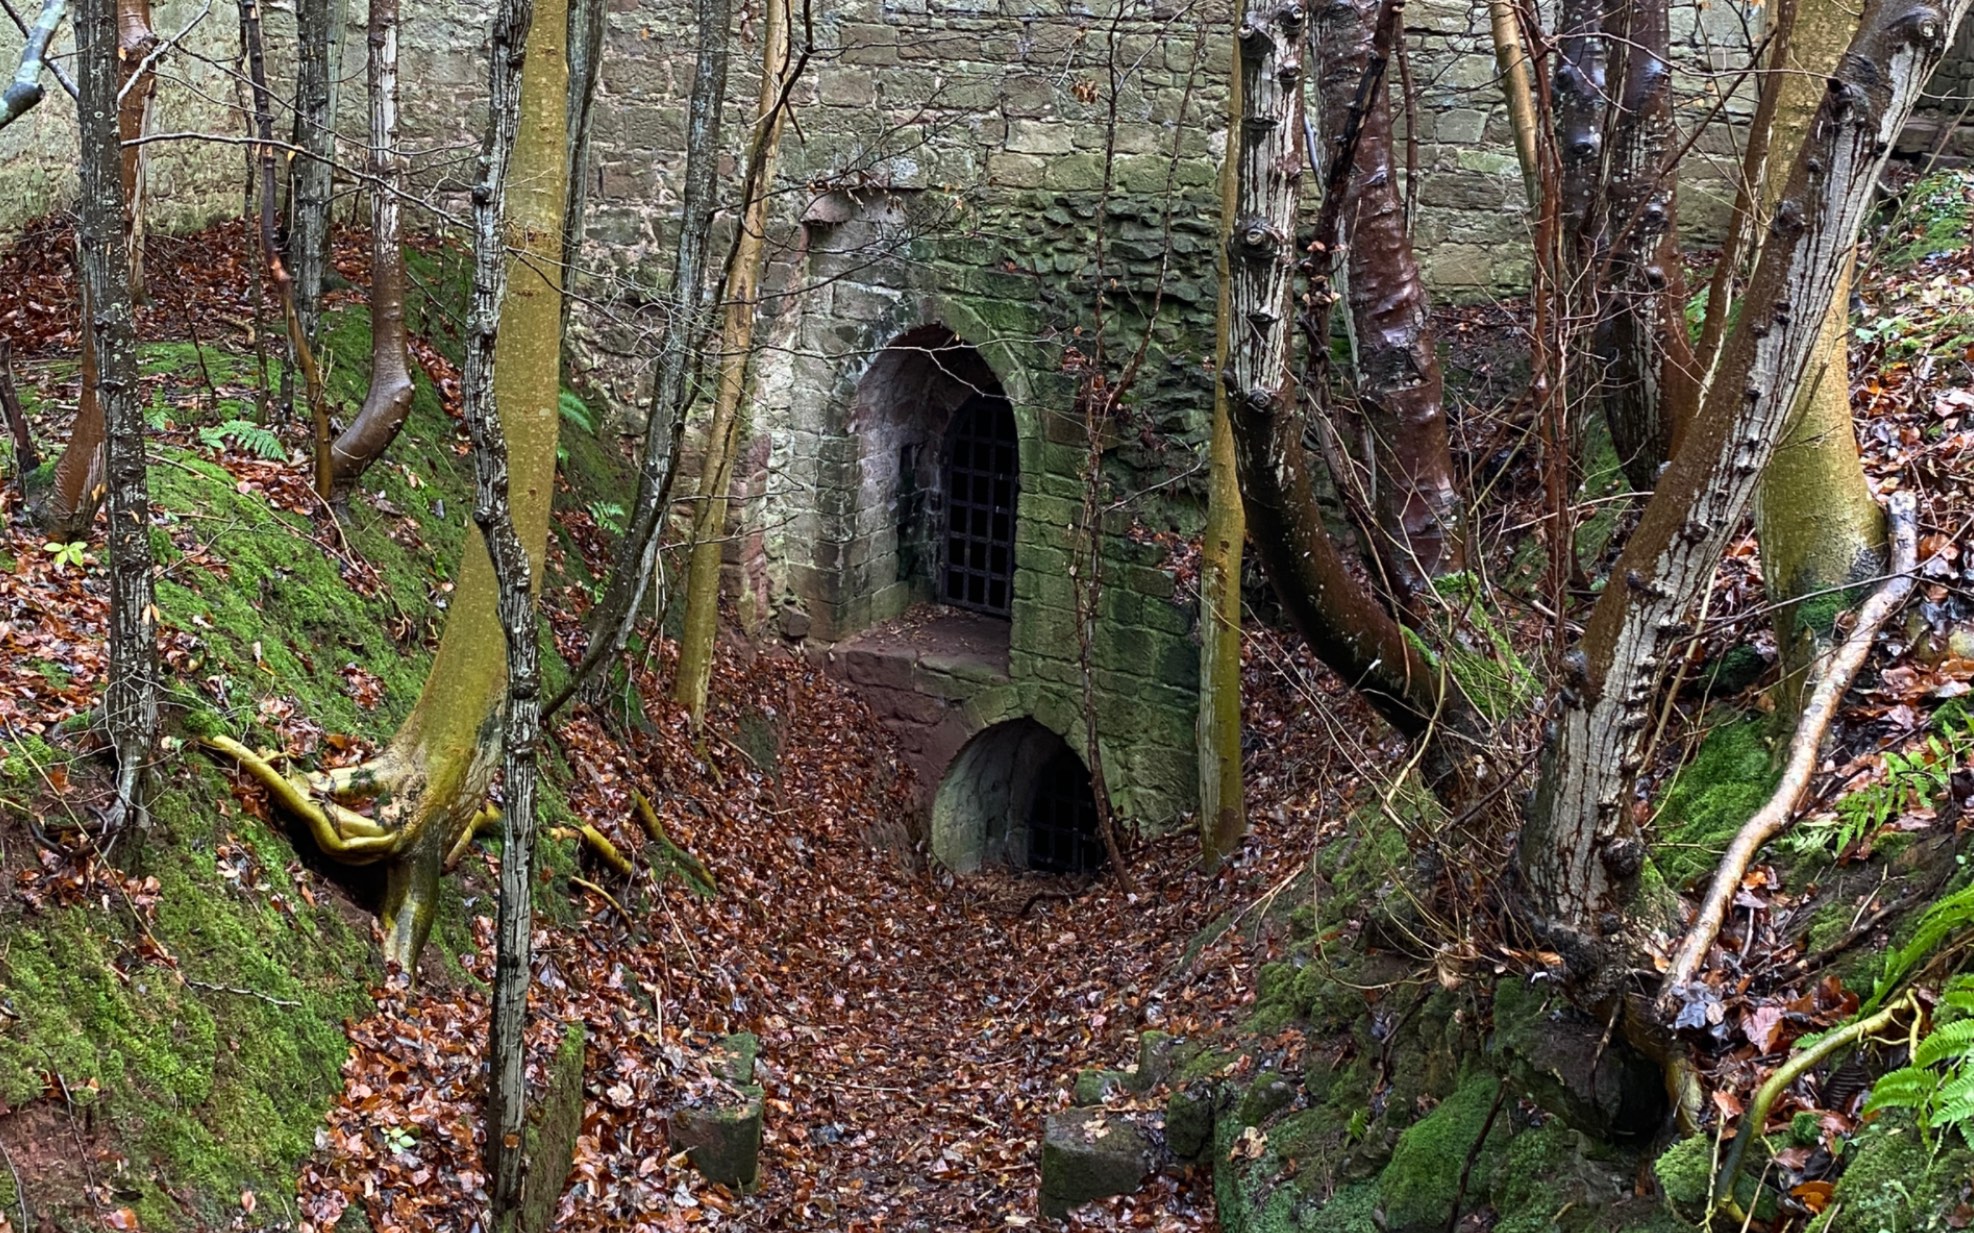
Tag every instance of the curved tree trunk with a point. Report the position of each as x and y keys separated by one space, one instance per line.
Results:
x=130 y=699
x=658 y=467
x=277 y=270
x=702 y=588
x=427 y=788
x=1821 y=531
x=1649 y=380
x=1399 y=385
x=1336 y=613
x=1222 y=808
x=1579 y=853
x=388 y=400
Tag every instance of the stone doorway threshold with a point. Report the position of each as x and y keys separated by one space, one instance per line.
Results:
x=925 y=674
x=932 y=637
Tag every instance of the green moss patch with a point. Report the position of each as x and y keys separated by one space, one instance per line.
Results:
x=1728 y=779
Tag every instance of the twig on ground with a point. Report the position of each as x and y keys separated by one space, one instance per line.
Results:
x=1774 y=817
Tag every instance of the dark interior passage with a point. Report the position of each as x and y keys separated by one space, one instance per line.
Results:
x=1017 y=795
x=982 y=474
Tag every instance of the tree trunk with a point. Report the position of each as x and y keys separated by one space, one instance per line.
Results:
x=1399 y=385
x=1579 y=852
x=388 y=401
x=316 y=33
x=135 y=41
x=277 y=270
x=68 y=507
x=130 y=699
x=427 y=787
x=1579 y=102
x=1222 y=807
x=1821 y=531
x=1649 y=379
x=585 y=70
x=637 y=552
x=513 y=360
x=1335 y=612
x=702 y=594
x=24 y=91
x=1511 y=62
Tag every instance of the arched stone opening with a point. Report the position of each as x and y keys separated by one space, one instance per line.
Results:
x=1016 y=795
x=938 y=478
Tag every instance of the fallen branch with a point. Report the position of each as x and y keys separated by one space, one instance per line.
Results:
x=1775 y=816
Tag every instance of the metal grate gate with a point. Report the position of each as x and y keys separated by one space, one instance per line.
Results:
x=981 y=485
x=1062 y=828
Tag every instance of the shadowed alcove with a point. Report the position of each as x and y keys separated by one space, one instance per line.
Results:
x=938 y=475
x=1017 y=795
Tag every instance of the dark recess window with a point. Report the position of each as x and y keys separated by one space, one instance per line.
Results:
x=982 y=481
x=1062 y=830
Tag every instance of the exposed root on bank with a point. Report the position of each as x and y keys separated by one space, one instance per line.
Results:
x=1774 y=816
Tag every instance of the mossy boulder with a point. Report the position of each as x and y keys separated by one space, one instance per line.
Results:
x=1896 y=1181
x=1567 y=1064
x=1420 y=1186
x=1088 y=1154
x=723 y=1138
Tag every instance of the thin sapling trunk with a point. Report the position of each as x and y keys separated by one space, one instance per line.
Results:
x=632 y=572
x=130 y=699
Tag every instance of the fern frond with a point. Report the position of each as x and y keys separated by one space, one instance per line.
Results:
x=1948 y=1042
x=1908 y=1088
x=1953 y=1101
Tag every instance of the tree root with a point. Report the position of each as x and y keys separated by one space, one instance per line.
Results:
x=1775 y=816
x=655 y=831
x=600 y=844
x=339 y=831
x=485 y=818
x=1771 y=1090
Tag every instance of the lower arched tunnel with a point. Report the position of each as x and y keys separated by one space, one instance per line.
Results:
x=1016 y=795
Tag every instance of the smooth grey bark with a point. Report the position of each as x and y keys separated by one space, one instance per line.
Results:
x=637 y=553
x=24 y=91
x=130 y=698
x=1580 y=852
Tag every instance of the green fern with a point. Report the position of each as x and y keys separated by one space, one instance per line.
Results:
x=1912 y=781
x=248 y=436
x=1938 y=1083
x=577 y=412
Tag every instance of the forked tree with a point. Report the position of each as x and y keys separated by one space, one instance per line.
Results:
x=1580 y=851
x=426 y=792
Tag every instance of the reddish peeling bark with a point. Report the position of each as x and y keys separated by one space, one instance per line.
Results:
x=1580 y=850
x=388 y=401
x=1399 y=386
x=1333 y=610
x=1649 y=380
